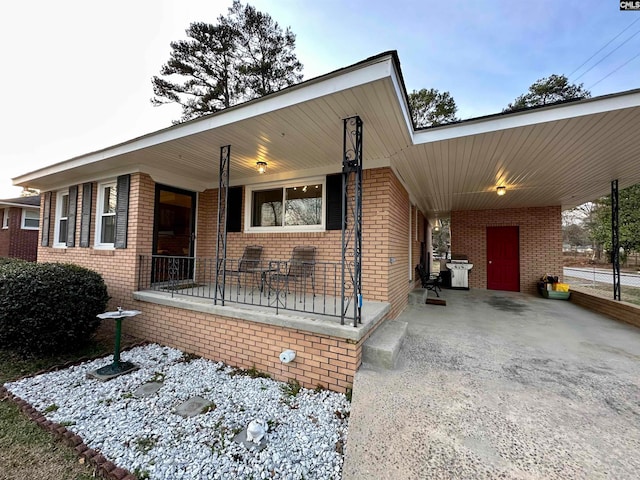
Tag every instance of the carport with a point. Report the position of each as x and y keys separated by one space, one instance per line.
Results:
x=501 y=385
x=548 y=159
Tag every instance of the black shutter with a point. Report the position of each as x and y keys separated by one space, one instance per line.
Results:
x=71 y=216
x=122 y=210
x=234 y=210
x=85 y=216
x=46 y=219
x=334 y=202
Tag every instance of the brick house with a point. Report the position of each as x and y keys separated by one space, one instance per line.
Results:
x=20 y=224
x=166 y=217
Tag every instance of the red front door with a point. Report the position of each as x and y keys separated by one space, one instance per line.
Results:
x=503 y=258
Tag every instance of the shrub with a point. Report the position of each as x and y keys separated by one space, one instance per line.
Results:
x=49 y=307
x=10 y=261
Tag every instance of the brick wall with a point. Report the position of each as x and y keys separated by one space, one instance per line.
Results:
x=398 y=206
x=16 y=242
x=320 y=359
x=376 y=225
x=4 y=237
x=540 y=231
x=118 y=267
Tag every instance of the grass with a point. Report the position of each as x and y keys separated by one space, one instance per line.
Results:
x=26 y=451
x=291 y=388
x=627 y=293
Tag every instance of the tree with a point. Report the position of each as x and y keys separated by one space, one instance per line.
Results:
x=441 y=239
x=245 y=55
x=29 y=192
x=429 y=107
x=575 y=235
x=551 y=89
x=628 y=216
x=268 y=61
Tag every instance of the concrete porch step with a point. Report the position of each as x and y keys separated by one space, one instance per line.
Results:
x=418 y=296
x=382 y=347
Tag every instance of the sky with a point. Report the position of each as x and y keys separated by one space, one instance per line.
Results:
x=76 y=75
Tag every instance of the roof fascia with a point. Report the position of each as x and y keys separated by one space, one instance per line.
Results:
x=19 y=205
x=523 y=119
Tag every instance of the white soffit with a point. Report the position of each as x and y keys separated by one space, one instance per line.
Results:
x=309 y=114
x=563 y=155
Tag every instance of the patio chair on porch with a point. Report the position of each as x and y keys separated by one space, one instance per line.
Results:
x=249 y=263
x=430 y=282
x=299 y=268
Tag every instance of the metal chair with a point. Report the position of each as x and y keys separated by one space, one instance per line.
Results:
x=299 y=268
x=249 y=262
x=430 y=282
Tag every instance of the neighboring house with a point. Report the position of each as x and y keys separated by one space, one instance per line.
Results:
x=145 y=213
x=20 y=224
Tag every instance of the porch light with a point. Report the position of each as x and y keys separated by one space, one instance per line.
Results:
x=261 y=167
x=501 y=190
x=437 y=225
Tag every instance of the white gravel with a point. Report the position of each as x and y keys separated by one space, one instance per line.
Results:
x=305 y=438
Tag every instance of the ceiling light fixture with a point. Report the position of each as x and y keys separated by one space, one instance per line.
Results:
x=261 y=167
x=501 y=190
x=437 y=225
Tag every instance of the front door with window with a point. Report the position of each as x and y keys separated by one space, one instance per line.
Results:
x=174 y=233
x=503 y=258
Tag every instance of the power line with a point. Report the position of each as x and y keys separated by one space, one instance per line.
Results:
x=605 y=46
x=600 y=61
x=614 y=71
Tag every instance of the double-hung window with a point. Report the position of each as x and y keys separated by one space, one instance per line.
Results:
x=30 y=219
x=297 y=205
x=106 y=215
x=5 y=218
x=62 y=218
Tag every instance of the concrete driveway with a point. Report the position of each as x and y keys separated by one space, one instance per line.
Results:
x=501 y=385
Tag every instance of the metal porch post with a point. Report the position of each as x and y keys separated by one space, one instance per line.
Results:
x=352 y=220
x=615 y=239
x=221 y=241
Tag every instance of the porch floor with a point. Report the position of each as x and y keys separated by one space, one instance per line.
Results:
x=306 y=314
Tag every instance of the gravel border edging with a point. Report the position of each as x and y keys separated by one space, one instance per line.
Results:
x=106 y=469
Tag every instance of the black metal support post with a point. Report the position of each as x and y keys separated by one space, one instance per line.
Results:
x=221 y=242
x=352 y=220
x=615 y=239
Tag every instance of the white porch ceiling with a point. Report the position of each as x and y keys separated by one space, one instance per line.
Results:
x=560 y=162
x=297 y=131
x=558 y=155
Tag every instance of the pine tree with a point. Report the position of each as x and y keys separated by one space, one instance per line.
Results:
x=245 y=55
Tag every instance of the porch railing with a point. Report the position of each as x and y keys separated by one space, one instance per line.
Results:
x=273 y=284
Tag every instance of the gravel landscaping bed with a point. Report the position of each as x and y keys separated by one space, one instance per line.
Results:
x=306 y=436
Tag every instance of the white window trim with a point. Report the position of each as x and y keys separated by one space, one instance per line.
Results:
x=5 y=218
x=58 y=217
x=24 y=216
x=248 y=198
x=99 y=215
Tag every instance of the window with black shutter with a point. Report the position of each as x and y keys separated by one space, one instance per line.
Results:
x=46 y=219
x=85 y=216
x=234 y=209
x=71 y=216
x=334 y=202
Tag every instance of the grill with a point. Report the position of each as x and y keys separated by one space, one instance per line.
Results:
x=459 y=267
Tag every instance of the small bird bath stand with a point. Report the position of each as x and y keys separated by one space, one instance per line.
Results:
x=116 y=368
